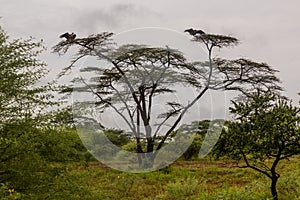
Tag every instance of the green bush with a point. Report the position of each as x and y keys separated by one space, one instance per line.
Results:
x=59 y=145
x=26 y=154
x=20 y=162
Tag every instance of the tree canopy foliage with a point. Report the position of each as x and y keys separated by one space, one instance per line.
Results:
x=20 y=72
x=28 y=135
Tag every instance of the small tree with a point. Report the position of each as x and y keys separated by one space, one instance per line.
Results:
x=265 y=132
x=137 y=75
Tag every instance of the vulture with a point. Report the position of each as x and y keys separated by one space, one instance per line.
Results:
x=194 y=32
x=68 y=36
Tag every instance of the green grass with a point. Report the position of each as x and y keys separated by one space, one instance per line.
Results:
x=182 y=180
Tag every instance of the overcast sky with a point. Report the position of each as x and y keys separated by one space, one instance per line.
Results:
x=269 y=30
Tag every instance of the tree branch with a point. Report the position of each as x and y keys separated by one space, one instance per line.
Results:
x=109 y=103
x=254 y=167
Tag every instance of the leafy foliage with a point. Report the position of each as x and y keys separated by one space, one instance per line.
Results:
x=29 y=136
x=21 y=101
x=20 y=71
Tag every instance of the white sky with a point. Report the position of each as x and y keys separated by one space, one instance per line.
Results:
x=269 y=30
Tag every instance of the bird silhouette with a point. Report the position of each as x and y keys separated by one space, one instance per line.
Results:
x=68 y=36
x=194 y=32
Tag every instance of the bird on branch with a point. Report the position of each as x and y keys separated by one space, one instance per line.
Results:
x=68 y=36
x=194 y=32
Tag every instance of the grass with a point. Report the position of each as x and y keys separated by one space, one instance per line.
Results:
x=182 y=180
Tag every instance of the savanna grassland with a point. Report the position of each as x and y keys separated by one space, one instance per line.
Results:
x=203 y=179
x=42 y=156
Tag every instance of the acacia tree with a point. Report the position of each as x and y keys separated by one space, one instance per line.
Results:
x=137 y=75
x=265 y=131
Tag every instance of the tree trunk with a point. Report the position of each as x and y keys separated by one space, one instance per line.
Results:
x=139 y=151
x=145 y=159
x=273 y=187
x=150 y=145
x=148 y=160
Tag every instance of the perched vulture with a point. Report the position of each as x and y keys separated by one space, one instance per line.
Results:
x=68 y=36
x=194 y=32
